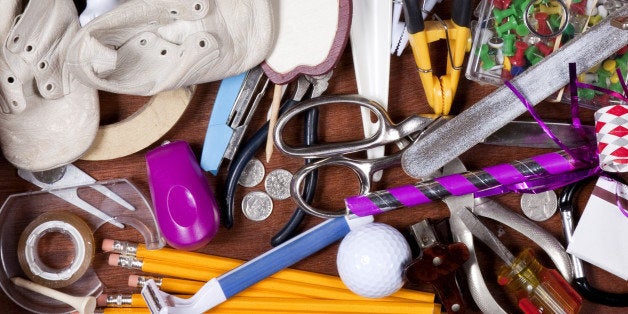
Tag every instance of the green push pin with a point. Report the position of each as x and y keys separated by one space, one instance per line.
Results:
x=586 y=93
x=503 y=28
x=533 y=54
x=509 y=45
x=487 y=60
x=500 y=15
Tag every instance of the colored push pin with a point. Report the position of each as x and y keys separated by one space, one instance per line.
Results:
x=605 y=72
x=595 y=19
x=508 y=49
x=622 y=63
x=497 y=43
x=501 y=30
x=521 y=6
x=541 y=23
x=518 y=61
x=615 y=84
x=533 y=55
x=501 y=4
x=519 y=58
x=551 y=9
x=544 y=48
x=522 y=30
x=487 y=60
x=500 y=15
x=579 y=8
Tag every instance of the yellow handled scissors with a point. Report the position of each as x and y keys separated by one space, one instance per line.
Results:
x=439 y=91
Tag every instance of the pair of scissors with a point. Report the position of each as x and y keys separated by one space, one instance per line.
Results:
x=334 y=153
x=439 y=91
x=459 y=207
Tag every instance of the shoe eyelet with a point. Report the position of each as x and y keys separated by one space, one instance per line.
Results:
x=43 y=65
x=50 y=87
x=28 y=48
x=11 y=79
x=198 y=6
x=143 y=42
x=164 y=52
x=202 y=43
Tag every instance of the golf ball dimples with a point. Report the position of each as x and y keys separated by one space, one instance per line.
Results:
x=371 y=260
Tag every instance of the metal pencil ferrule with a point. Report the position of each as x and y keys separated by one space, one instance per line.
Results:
x=130 y=262
x=125 y=247
x=119 y=300
x=141 y=281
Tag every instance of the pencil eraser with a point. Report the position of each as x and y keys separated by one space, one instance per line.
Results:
x=101 y=300
x=107 y=245
x=133 y=280
x=113 y=259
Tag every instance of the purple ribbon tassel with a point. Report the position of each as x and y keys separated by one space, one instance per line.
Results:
x=534 y=168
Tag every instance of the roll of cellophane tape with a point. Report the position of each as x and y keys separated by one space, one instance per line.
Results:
x=24 y=218
x=65 y=223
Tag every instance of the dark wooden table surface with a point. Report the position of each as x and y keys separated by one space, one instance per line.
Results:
x=248 y=239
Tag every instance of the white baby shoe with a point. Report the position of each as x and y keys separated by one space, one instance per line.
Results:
x=45 y=121
x=145 y=47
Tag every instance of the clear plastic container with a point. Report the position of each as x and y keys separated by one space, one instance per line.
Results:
x=19 y=210
x=508 y=38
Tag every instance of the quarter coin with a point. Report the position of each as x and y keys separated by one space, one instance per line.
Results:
x=257 y=205
x=252 y=174
x=277 y=184
x=539 y=206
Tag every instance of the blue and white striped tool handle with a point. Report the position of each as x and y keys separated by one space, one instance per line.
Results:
x=229 y=284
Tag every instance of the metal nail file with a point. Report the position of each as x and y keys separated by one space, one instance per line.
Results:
x=473 y=125
x=236 y=101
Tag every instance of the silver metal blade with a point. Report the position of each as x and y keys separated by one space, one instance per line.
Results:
x=485 y=235
x=494 y=111
x=530 y=134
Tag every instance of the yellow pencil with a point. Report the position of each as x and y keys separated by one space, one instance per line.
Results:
x=268 y=284
x=183 y=286
x=304 y=305
x=223 y=264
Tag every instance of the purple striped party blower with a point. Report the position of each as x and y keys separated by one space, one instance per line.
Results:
x=546 y=171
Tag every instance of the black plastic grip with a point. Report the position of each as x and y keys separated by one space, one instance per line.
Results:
x=461 y=12
x=413 y=15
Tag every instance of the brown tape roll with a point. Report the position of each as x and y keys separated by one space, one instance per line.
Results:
x=60 y=222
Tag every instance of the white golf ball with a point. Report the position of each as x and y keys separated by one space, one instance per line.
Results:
x=371 y=260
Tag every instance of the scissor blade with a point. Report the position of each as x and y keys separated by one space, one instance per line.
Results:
x=530 y=134
x=480 y=231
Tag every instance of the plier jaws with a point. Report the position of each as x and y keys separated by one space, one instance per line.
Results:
x=439 y=91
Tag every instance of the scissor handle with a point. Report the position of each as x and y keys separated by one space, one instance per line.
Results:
x=362 y=169
x=386 y=132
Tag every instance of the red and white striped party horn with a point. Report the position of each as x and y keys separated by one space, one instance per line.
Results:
x=471 y=182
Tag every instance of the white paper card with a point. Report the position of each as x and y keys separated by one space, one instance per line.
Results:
x=600 y=236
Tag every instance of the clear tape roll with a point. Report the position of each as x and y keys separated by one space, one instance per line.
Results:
x=60 y=222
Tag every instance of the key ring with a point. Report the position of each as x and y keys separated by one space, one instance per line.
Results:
x=542 y=17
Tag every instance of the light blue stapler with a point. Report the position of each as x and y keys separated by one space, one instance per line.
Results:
x=236 y=101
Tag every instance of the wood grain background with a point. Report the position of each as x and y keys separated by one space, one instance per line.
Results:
x=248 y=239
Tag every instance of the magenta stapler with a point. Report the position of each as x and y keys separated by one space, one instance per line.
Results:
x=184 y=204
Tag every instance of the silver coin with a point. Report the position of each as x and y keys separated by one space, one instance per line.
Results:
x=539 y=206
x=252 y=174
x=257 y=205
x=277 y=184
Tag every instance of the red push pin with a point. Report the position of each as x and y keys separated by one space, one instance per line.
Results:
x=542 y=26
x=501 y=4
x=519 y=58
x=544 y=48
